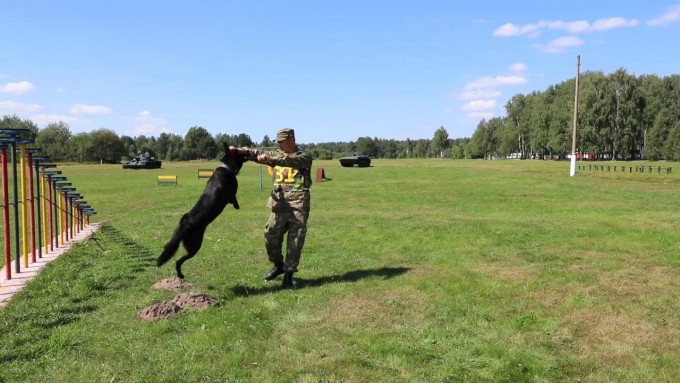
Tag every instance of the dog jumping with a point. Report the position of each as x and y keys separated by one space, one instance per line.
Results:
x=220 y=191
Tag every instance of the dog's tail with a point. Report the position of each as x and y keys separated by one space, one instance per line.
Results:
x=173 y=244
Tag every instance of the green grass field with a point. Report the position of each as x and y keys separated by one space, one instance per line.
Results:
x=413 y=271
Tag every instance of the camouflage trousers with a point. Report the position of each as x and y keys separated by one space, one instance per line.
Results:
x=293 y=222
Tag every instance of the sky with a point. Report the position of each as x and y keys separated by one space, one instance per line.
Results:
x=332 y=70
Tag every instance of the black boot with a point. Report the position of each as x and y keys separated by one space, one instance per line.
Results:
x=275 y=272
x=288 y=280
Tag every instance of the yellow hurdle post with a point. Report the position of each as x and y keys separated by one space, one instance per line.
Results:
x=24 y=202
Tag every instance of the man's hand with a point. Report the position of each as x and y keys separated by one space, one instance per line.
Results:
x=262 y=158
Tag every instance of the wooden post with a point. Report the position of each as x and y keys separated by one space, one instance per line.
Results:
x=572 y=170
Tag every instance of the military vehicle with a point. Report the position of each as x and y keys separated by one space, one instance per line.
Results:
x=359 y=160
x=143 y=161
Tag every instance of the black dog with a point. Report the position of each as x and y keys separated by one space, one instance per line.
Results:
x=220 y=191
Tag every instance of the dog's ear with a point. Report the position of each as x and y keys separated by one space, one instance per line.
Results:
x=226 y=147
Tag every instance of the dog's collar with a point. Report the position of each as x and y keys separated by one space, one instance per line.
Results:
x=230 y=169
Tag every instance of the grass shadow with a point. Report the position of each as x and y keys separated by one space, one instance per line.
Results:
x=301 y=283
x=96 y=272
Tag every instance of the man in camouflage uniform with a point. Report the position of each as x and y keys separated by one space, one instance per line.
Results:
x=289 y=203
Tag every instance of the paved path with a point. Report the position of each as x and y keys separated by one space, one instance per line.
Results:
x=10 y=287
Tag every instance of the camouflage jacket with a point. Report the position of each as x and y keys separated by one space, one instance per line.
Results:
x=291 y=177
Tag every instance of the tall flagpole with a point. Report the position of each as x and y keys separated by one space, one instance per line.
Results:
x=572 y=169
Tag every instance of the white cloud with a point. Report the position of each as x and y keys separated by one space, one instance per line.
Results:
x=574 y=27
x=611 y=23
x=48 y=118
x=569 y=26
x=147 y=124
x=671 y=16
x=90 y=109
x=16 y=87
x=11 y=107
x=508 y=30
x=492 y=82
x=518 y=67
x=480 y=94
x=480 y=105
x=480 y=115
x=559 y=45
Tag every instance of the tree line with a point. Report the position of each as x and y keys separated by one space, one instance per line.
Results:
x=620 y=116
x=105 y=146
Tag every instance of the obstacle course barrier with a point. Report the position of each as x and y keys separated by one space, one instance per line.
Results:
x=205 y=173
x=166 y=180
x=630 y=169
x=50 y=209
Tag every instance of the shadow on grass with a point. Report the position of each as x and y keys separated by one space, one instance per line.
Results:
x=78 y=283
x=301 y=283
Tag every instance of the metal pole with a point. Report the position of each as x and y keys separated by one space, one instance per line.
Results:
x=24 y=205
x=5 y=217
x=31 y=197
x=38 y=183
x=17 y=259
x=57 y=214
x=572 y=170
x=45 y=197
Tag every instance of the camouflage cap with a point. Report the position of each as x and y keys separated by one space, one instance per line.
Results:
x=284 y=134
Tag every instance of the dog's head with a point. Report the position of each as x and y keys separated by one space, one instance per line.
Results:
x=232 y=159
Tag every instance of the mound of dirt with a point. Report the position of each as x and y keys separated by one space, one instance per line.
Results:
x=173 y=284
x=163 y=310
x=167 y=309
x=194 y=301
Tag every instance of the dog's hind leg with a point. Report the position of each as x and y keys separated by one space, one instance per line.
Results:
x=171 y=247
x=178 y=264
x=192 y=243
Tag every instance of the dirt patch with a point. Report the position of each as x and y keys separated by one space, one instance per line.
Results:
x=163 y=310
x=388 y=310
x=168 y=309
x=173 y=284
x=506 y=272
x=194 y=301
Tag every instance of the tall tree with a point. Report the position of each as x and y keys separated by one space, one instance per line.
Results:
x=54 y=140
x=267 y=142
x=106 y=146
x=519 y=112
x=367 y=146
x=672 y=146
x=79 y=148
x=627 y=116
x=658 y=134
x=198 y=143
x=14 y=122
x=440 y=142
